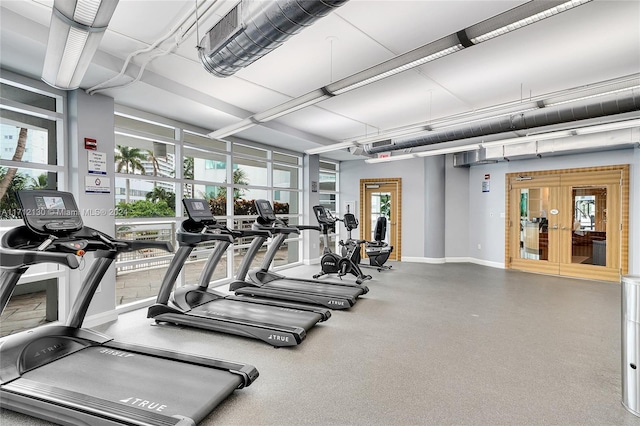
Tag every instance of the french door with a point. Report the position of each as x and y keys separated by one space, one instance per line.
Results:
x=569 y=223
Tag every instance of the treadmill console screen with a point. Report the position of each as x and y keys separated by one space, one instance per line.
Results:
x=265 y=210
x=198 y=210
x=47 y=211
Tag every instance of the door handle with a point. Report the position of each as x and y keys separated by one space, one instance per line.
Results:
x=555 y=227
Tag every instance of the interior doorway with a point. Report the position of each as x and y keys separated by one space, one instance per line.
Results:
x=382 y=197
x=569 y=222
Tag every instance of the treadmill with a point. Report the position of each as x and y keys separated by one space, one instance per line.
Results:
x=265 y=283
x=71 y=375
x=276 y=323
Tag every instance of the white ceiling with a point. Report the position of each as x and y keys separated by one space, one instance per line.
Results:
x=592 y=43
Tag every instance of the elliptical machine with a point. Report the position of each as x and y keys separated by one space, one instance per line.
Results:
x=377 y=251
x=332 y=263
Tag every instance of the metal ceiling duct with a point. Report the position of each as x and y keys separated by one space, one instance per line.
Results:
x=254 y=28
x=616 y=103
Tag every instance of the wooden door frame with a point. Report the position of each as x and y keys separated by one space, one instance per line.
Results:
x=624 y=204
x=398 y=183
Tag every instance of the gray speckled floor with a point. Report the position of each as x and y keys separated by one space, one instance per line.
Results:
x=452 y=344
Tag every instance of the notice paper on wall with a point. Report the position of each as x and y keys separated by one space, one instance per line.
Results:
x=97 y=162
x=97 y=185
x=486 y=183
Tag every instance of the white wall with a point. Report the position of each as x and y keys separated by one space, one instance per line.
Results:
x=457 y=215
x=434 y=212
x=486 y=224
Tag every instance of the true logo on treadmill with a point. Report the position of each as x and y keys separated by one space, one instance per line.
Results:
x=278 y=338
x=336 y=302
x=49 y=349
x=143 y=403
x=116 y=353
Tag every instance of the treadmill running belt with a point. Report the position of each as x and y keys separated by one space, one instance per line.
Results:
x=323 y=289
x=141 y=381
x=225 y=308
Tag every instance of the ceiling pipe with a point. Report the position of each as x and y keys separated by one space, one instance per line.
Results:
x=237 y=42
x=616 y=103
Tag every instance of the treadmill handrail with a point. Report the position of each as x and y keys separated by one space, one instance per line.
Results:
x=308 y=227
x=193 y=238
x=251 y=233
x=275 y=228
x=133 y=245
x=19 y=258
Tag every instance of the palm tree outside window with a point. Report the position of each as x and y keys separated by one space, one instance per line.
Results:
x=129 y=159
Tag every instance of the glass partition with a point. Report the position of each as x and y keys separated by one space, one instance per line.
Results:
x=534 y=205
x=589 y=236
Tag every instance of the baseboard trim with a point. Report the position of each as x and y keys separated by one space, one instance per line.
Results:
x=315 y=261
x=459 y=259
x=489 y=263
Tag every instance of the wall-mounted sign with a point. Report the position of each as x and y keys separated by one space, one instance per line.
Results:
x=314 y=186
x=97 y=162
x=486 y=182
x=91 y=144
x=97 y=185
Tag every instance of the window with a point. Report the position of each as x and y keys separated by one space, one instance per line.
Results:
x=249 y=172
x=153 y=196
x=249 y=151
x=285 y=177
x=205 y=175
x=145 y=198
x=145 y=126
x=31 y=157
x=229 y=176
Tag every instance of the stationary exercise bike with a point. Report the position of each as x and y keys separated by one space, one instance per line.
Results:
x=333 y=263
x=377 y=251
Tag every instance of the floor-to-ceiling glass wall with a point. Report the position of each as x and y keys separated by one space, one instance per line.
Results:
x=158 y=162
x=32 y=156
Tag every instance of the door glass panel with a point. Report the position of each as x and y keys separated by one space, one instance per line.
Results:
x=589 y=234
x=534 y=226
x=380 y=206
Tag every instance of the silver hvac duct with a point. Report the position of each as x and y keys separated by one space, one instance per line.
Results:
x=545 y=116
x=236 y=41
